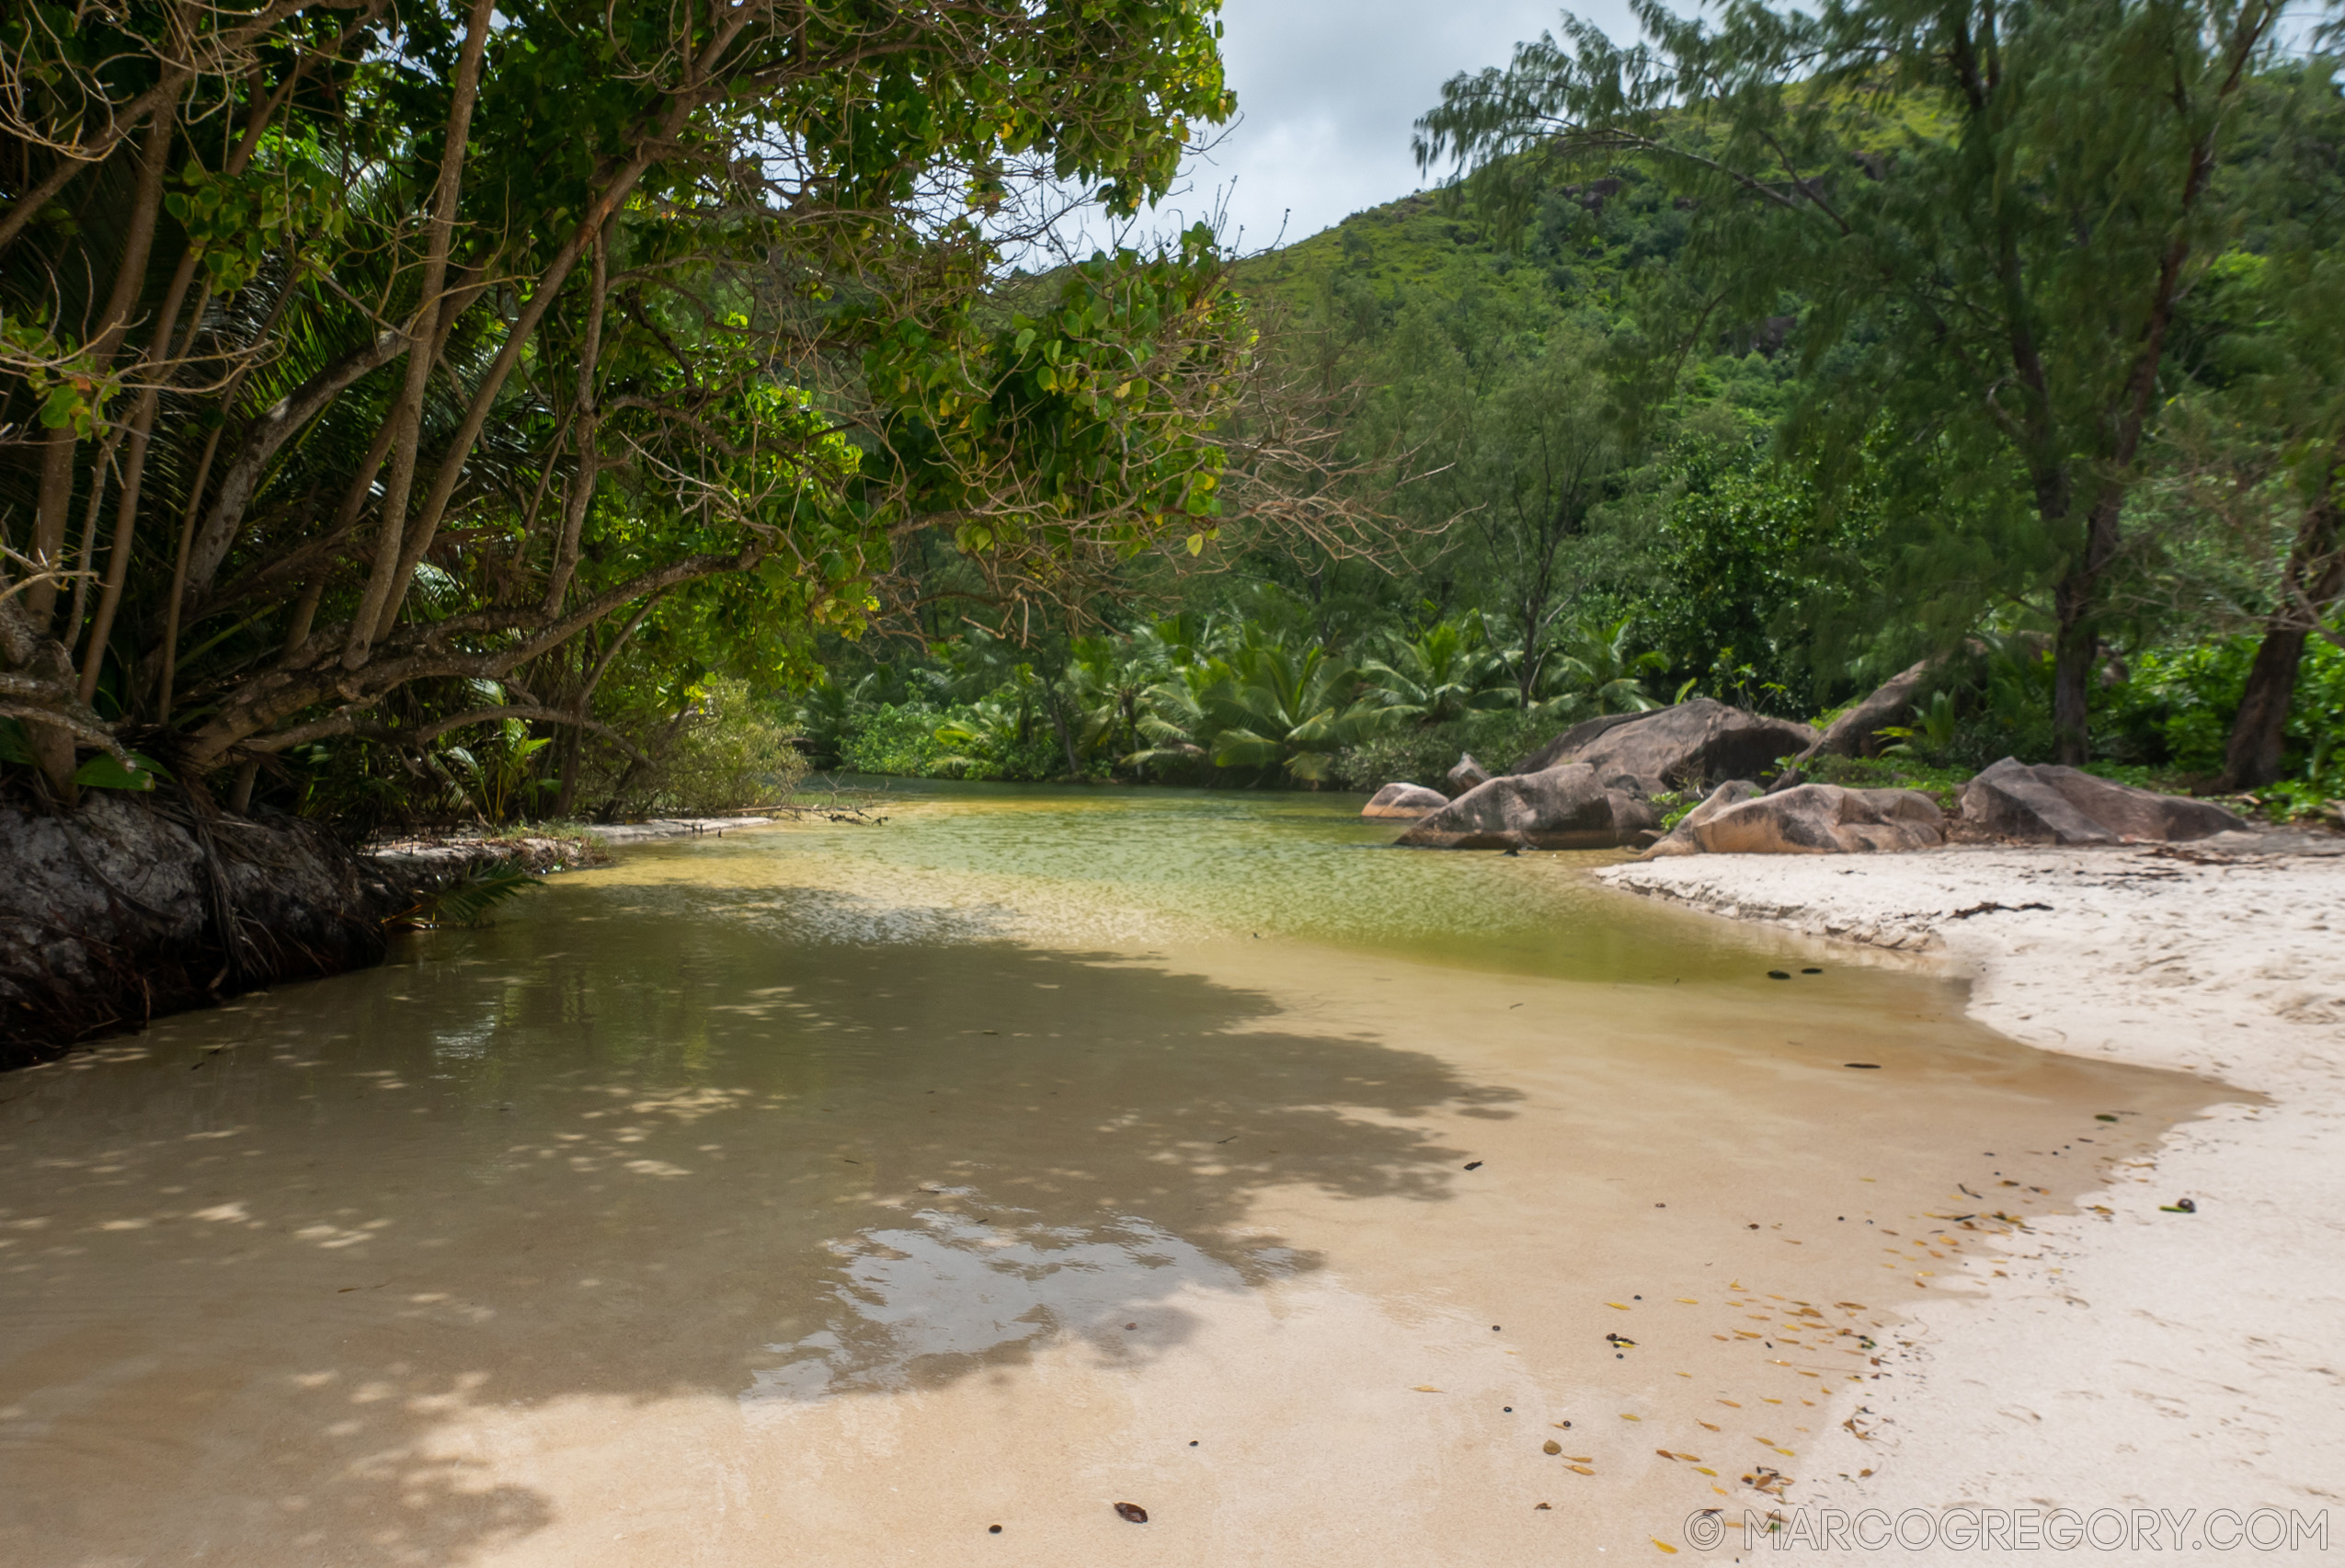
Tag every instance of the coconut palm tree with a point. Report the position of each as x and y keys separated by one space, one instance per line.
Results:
x=1266 y=704
x=1444 y=674
x=1591 y=670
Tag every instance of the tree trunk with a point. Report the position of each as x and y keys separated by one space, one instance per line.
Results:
x=609 y=812
x=565 y=796
x=378 y=601
x=2071 y=672
x=2077 y=644
x=2313 y=578
x=1066 y=738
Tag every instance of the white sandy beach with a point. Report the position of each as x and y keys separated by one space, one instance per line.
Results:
x=2120 y=1357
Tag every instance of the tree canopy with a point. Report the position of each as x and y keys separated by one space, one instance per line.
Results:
x=2000 y=210
x=377 y=371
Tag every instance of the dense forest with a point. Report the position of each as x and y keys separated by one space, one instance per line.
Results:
x=1759 y=360
x=1619 y=444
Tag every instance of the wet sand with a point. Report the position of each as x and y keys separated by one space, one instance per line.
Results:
x=830 y=1196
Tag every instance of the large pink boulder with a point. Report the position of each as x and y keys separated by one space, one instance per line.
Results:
x=1560 y=808
x=1684 y=746
x=1807 y=820
x=1405 y=802
x=2053 y=805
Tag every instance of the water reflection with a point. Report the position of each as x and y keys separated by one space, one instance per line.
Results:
x=951 y=1289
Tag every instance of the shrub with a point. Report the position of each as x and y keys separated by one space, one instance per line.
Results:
x=2176 y=709
x=895 y=739
x=726 y=748
x=1424 y=755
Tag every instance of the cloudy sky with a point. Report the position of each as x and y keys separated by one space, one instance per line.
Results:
x=1328 y=90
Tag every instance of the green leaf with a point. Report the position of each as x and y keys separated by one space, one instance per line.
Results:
x=103 y=772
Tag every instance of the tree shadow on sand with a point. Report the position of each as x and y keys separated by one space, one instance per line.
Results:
x=262 y=1260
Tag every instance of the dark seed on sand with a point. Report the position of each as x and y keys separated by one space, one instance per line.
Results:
x=1810 y=971
x=1779 y=974
x=1132 y=1512
x=1865 y=1066
x=993 y=1529
x=1473 y=1164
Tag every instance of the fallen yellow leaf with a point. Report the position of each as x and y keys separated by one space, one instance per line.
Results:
x=1425 y=1389
x=1663 y=1544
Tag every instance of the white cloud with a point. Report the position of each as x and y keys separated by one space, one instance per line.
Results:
x=1329 y=89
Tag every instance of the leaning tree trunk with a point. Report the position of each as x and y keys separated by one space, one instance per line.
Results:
x=2313 y=580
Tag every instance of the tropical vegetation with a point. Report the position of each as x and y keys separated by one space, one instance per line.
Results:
x=1757 y=357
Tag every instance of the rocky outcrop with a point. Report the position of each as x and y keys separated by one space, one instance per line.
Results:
x=1679 y=748
x=1681 y=839
x=1806 y=819
x=1404 y=802
x=1566 y=747
x=135 y=906
x=1566 y=807
x=2053 y=805
x=1467 y=774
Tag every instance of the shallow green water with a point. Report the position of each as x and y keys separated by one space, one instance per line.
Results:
x=1149 y=866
